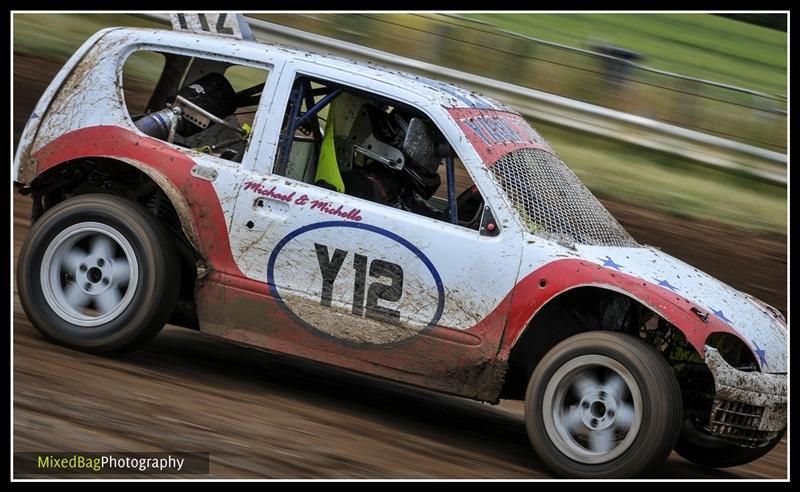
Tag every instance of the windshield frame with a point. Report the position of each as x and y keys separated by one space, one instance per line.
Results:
x=495 y=135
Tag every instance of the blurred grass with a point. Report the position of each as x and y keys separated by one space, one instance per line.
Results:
x=696 y=44
x=59 y=35
x=610 y=169
x=661 y=182
x=699 y=45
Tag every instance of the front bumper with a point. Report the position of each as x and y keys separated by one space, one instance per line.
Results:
x=749 y=407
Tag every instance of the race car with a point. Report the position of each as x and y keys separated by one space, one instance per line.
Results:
x=384 y=223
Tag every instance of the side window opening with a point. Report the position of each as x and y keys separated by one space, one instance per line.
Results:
x=202 y=104
x=141 y=75
x=371 y=147
x=470 y=204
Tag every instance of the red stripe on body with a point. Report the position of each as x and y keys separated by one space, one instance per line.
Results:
x=563 y=275
x=521 y=304
x=121 y=143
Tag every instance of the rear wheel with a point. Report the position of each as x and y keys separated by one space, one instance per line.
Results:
x=603 y=405
x=98 y=273
x=705 y=450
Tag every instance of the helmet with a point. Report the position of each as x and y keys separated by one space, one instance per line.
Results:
x=212 y=93
x=423 y=177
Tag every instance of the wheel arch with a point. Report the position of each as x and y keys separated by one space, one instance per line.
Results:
x=578 y=309
x=49 y=180
x=143 y=184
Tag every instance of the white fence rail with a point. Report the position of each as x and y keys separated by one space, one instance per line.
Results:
x=541 y=106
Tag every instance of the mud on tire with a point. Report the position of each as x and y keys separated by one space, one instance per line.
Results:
x=98 y=273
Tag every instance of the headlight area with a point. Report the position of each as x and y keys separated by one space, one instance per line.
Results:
x=749 y=407
x=733 y=351
x=725 y=396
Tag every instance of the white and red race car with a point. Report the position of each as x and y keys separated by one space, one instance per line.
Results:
x=384 y=223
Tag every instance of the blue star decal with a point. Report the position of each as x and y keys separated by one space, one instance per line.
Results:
x=665 y=283
x=719 y=314
x=608 y=262
x=762 y=355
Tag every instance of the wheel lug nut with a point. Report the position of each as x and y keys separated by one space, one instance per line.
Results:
x=101 y=262
x=83 y=268
x=611 y=413
x=88 y=286
x=106 y=281
x=594 y=422
x=602 y=395
x=585 y=404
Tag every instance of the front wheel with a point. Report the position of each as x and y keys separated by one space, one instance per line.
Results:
x=603 y=405
x=98 y=273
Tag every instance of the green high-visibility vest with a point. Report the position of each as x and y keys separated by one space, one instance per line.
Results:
x=327 y=166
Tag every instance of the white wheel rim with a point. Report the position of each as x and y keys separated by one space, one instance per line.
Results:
x=89 y=274
x=592 y=409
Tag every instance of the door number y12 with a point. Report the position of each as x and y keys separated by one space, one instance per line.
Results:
x=330 y=266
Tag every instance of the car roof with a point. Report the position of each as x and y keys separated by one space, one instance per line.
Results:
x=445 y=94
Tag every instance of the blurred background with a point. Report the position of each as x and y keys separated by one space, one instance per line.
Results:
x=720 y=205
x=721 y=76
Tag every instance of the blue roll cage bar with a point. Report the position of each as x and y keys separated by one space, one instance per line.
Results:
x=303 y=92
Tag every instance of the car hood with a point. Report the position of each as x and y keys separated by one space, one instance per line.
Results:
x=757 y=324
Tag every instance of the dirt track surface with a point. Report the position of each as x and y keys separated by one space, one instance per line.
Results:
x=267 y=416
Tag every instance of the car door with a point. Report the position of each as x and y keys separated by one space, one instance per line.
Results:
x=208 y=178
x=360 y=284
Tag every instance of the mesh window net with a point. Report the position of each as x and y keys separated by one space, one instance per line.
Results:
x=554 y=203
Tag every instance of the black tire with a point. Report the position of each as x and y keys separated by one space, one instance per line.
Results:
x=705 y=450
x=659 y=418
x=137 y=318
